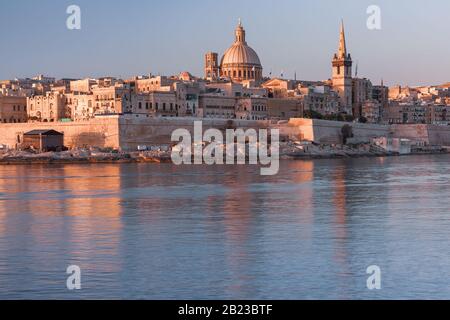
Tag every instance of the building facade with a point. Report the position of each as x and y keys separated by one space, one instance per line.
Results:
x=361 y=93
x=13 y=109
x=46 y=108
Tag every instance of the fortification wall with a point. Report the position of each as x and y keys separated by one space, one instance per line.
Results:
x=100 y=132
x=138 y=130
x=431 y=134
x=328 y=132
x=128 y=131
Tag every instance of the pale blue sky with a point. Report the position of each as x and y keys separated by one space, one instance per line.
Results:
x=133 y=37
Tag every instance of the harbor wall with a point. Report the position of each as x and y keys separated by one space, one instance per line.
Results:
x=138 y=130
x=330 y=132
x=126 y=132
x=99 y=132
x=430 y=134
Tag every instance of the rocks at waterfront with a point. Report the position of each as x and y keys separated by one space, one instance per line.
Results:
x=83 y=156
x=299 y=150
x=291 y=150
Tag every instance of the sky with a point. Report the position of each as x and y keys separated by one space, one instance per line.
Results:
x=137 y=37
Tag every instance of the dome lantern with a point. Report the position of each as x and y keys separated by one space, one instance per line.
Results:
x=240 y=33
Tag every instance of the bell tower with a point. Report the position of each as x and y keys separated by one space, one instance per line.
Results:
x=342 y=74
x=211 y=66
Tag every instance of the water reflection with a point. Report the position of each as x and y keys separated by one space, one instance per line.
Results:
x=161 y=231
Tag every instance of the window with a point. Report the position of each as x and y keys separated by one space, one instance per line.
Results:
x=140 y=105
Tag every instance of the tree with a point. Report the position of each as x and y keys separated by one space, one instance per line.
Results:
x=347 y=132
x=311 y=114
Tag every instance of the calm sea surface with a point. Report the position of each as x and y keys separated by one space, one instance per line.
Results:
x=146 y=231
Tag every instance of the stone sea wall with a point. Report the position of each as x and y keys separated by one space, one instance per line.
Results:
x=330 y=132
x=138 y=130
x=430 y=134
x=99 y=132
x=129 y=131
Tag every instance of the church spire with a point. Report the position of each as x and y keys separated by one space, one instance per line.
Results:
x=342 y=45
x=342 y=73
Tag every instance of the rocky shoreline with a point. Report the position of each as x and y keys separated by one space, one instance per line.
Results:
x=288 y=151
x=83 y=156
x=296 y=151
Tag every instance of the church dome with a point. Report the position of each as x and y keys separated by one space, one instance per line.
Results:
x=240 y=53
x=240 y=62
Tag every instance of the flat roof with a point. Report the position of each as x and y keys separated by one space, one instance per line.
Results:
x=48 y=132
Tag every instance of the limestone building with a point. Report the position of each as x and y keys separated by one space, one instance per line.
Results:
x=362 y=91
x=157 y=104
x=46 y=108
x=80 y=106
x=280 y=88
x=13 y=109
x=216 y=105
x=112 y=100
x=284 y=108
x=251 y=108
